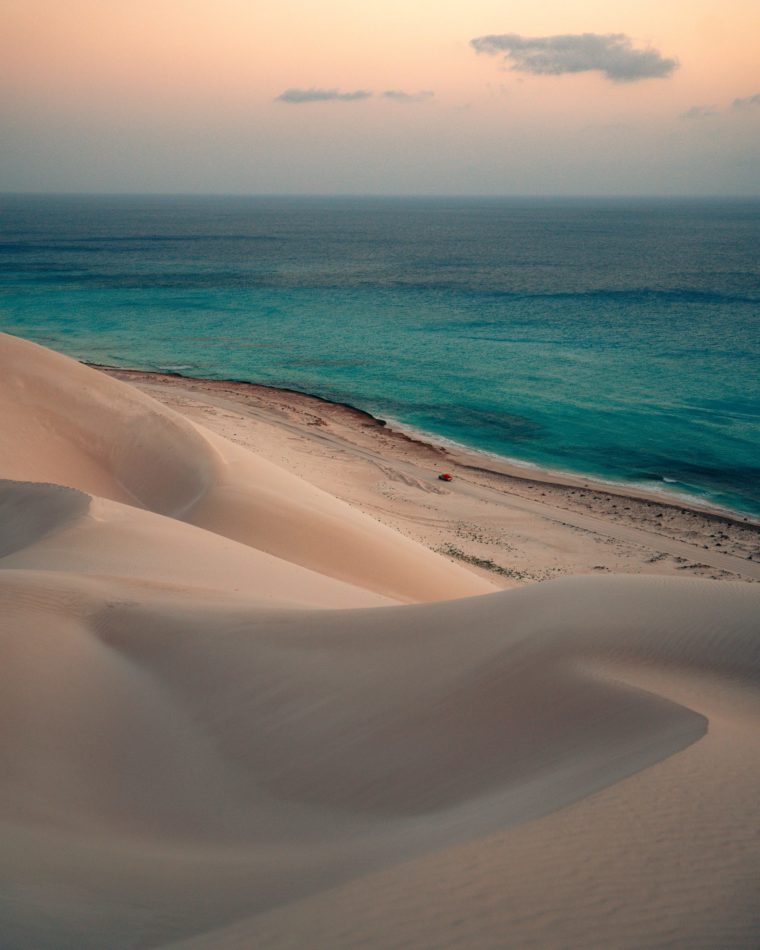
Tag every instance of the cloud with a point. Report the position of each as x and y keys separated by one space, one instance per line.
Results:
x=321 y=95
x=398 y=96
x=612 y=54
x=749 y=102
x=699 y=112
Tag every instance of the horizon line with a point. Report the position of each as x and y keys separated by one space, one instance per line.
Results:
x=381 y=195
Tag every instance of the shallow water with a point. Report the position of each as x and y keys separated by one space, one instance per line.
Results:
x=618 y=338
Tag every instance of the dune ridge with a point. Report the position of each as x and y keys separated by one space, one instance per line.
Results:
x=218 y=731
x=49 y=527
x=66 y=423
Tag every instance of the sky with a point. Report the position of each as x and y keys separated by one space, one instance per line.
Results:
x=481 y=97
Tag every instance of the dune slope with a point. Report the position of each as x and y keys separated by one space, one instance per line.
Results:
x=52 y=528
x=167 y=746
x=219 y=728
x=68 y=424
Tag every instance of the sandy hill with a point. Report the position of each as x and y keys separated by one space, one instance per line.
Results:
x=220 y=728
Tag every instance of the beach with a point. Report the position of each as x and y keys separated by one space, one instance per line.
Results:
x=269 y=682
x=511 y=524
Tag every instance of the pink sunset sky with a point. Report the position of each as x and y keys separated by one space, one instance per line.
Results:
x=398 y=97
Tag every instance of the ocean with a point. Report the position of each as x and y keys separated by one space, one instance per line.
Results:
x=615 y=338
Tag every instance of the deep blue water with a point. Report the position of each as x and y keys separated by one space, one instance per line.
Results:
x=619 y=338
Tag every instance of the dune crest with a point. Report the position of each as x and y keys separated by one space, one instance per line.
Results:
x=66 y=423
x=62 y=425
x=52 y=528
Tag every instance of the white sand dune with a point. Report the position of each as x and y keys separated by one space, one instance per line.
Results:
x=165 y=748
x=68 y=424
x=52 y=528
x=208 y=743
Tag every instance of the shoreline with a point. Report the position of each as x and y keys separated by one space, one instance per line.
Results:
x=463 y=455
x=522 y=468
x=515 y=524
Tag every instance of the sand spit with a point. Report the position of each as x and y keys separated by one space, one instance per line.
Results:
x=207 y=743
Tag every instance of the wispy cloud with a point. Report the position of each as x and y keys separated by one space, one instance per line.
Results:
x=398 y=96
x=612 y=54
x=298 y=96
x=749 y=102
x=699 y=112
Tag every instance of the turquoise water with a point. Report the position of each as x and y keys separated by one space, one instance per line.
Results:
x=615 y=338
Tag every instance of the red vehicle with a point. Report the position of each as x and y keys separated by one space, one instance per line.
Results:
x=445 y=477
